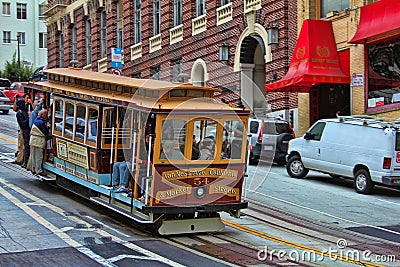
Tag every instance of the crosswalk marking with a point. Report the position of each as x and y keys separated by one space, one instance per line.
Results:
x=6 y=159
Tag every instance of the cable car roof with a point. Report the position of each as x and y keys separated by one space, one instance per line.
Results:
x=108 y=78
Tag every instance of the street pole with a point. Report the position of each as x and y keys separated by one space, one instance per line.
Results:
x=19 y=60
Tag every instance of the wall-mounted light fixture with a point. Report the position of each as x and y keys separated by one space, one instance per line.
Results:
x=273 y=34
x=224 y=52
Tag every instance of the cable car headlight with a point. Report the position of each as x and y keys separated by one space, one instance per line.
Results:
x=200 y=192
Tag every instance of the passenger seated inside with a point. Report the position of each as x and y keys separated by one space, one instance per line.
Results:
x=207 y=149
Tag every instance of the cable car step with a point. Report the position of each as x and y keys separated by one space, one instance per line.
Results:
x=45 y=178
x=120 y=210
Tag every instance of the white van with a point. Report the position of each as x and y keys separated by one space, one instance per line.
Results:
x=364 y=148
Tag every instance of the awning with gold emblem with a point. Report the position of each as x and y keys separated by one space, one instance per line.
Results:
x=315 y=60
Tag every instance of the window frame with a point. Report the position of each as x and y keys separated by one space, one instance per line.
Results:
x=156 y=17
x=120 y=24
x=43 y=40
x=22 y=38
x=22 y=11
x=6 y=37
x=137 y=17
x=55 y=131
x=6 y=6
x=200 y=8
x=61 y=50
x=336 y=6
x=77 y=105
x=103 y=33
x=74 y=43
x=88 y=38
x=178 y=14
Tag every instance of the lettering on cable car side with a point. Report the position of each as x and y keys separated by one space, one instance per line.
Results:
x=73 y=153
x=199 y=173
x=224 y=189
x=168 y=194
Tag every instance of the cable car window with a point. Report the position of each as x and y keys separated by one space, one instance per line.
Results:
x=92 y=125
x=109 y=120
x=80 y=123
x=195 y=93
x=125 y=122
x=58 y=116
x=178 y=93
x=205 y=131
x=173 y=139
x=232 y=140
x=69 y=119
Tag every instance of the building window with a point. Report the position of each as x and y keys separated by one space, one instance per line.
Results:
x=61 y=52
x=74 y=44
x=156 y=17
x=21 y=11
x=177 y=12
x=22 y=39
x=42 y=40
x=6 y=9
x=138 y=21
x=176 y=69
x=103 y=33
x=333 y=5
x=42 y=9
x=384 y=74
x=88 y=42
x=120 y=24
x=137 y=75
x=200 y=7
x=155 y=73
x=225 y=2
x=6 y=37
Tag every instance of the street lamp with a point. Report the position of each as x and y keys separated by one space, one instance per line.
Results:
x=19 y=58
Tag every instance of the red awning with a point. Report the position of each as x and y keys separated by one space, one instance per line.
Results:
x=378 y=21
x=315 y=60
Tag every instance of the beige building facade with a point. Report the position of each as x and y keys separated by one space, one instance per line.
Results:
x=372 y=90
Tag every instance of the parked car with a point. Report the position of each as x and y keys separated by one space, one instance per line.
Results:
x=16 y=88
x=269 y=139
x=4 y=84
x=362 y=148
x=39 y=74
x=5 y=103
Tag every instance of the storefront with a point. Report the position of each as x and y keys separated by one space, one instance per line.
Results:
x=317 y=69
x=379 y=31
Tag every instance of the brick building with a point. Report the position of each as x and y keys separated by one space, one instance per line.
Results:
x=217 y=43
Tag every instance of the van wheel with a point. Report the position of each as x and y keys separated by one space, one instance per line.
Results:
x=362 y=182
x=295 y=167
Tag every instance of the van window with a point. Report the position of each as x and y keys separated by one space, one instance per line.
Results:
x=253 y=127
x=317 y=130
x=397 y=141
x=276 y=128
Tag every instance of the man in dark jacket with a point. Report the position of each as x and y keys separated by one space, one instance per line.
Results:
x=23 y=111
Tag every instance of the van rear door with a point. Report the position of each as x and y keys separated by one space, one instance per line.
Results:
x=396 y=162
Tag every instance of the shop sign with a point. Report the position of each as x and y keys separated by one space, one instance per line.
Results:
x=357 y=79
